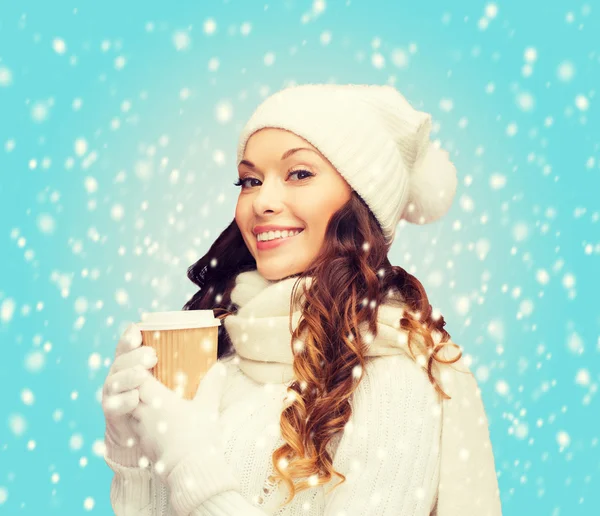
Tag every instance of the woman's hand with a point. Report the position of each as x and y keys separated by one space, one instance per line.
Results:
x=120 y=391
x=173 y=430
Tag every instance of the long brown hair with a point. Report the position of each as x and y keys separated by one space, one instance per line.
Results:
x=351 y=276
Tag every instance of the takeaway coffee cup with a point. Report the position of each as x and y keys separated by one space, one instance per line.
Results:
x=186 y=346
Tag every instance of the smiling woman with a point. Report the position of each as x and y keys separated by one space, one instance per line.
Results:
x=336 y=363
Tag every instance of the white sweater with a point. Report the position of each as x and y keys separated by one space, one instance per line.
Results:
x=389 y=451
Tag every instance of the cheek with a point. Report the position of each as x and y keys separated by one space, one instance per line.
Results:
x=241 y=222
x=317 y=225
x=319 y=210
x=243 y=216
x=240 y=214
x=318 y=213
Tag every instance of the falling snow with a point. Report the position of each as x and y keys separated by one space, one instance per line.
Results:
x=17 y=424
x=118 y=177
x=5 y=76
x=59 y=46
x=210 y=26
x=181 y=40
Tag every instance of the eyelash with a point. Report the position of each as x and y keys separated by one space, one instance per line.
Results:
x=240 y=181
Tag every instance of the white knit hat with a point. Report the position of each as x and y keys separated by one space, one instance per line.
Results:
x=375 y=139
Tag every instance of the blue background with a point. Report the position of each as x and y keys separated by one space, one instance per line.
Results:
x=118 y=129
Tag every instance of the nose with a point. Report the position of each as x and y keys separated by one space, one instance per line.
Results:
x=268 y=198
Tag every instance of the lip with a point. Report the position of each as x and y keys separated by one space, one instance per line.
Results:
x=270 y=244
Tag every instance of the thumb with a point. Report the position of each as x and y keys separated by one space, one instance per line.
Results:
x=211 y=387
x=154 y=392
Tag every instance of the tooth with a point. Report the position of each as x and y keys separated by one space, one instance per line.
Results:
x=272 y=235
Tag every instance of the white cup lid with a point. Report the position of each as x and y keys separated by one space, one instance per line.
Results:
x=178 y=320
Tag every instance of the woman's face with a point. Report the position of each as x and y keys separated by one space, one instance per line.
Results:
x=290 y=188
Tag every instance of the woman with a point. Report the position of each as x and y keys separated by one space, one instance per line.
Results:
x=331 y=361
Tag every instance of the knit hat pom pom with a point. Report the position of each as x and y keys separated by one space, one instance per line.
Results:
x=432 y=186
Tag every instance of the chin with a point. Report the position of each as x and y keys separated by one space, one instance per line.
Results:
x=276 y=275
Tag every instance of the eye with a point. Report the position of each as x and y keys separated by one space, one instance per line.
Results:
x=301 y=172
x=242 y=182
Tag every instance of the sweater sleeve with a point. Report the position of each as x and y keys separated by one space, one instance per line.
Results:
x=228 y=503
x=131 y=489
x=389 y=451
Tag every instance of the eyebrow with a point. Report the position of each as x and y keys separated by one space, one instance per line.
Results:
x=285 y=155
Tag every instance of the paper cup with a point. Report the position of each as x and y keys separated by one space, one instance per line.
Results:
x=186 y=346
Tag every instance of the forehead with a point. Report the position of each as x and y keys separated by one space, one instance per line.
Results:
x=272 y=142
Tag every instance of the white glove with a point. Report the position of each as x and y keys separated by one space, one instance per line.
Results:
x=171 y=428
x=183 y=439
x=120 y=395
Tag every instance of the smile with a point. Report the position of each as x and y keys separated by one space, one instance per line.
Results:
x=276 y=242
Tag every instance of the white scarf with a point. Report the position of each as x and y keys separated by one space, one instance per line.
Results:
x=260 y=334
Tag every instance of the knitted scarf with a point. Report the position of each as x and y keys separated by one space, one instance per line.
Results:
x=260 y=333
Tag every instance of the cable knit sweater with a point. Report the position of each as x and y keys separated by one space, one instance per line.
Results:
x=389 y=451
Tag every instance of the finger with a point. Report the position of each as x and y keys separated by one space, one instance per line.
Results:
x=130 y=339
x=126 y=380
x=144 y=356
x=137 y=414
x=210 y=390
x=120 y=404
x=135 y=425
x=154 y=393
